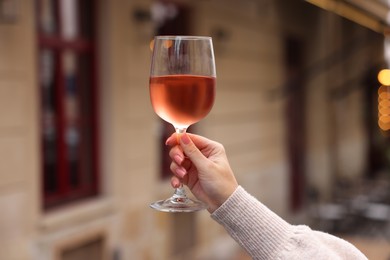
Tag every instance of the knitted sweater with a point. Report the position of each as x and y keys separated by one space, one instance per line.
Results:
x=264 y=235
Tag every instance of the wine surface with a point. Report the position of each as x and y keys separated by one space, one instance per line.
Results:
x=182 y=100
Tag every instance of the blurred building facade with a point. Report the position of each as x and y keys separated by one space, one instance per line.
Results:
x=291 y=110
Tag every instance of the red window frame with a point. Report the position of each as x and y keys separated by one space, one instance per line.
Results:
x=64 y=192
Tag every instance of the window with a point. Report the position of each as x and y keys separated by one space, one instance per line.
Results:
x=68 y=89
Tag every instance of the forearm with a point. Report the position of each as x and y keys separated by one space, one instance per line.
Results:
x=264 y=235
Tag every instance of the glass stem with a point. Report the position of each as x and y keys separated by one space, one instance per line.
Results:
x=180 y=193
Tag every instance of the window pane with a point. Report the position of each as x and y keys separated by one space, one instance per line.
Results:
x=71 y=103
x=69 y=19
x=47 y=17
x=86 y=19
x=79 y=121
x=73 y=147
x=49 y=130
x=86 y=110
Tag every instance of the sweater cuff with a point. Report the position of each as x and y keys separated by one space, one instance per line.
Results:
x=256 y=228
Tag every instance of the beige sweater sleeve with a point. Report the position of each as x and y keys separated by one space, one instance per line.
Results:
x=264 y=235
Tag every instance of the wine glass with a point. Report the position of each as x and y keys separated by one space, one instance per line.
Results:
x=182 y=92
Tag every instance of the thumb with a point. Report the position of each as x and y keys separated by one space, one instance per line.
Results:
x=190 y=150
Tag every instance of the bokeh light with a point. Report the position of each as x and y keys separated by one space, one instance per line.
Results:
x=384 y=107
x=384 y=77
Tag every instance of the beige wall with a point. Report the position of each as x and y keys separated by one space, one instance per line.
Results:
x=19 y=159
x=244 y=119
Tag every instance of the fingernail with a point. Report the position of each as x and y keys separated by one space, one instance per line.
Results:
x=181 y=172
x=185 y=138
x=178 y=159
x=176 y=184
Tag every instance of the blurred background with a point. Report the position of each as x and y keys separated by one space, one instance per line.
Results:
x=82 y=153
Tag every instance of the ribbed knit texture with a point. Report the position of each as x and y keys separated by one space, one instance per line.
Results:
x=264 y=235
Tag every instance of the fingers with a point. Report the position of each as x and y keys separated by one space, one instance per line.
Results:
x=185 y=155
x=180 y=175
x=175 y=182
x=191 y=150
x=180 y=169
x=172 y=140
x=191 y=147
x=177 y=155
x=198 y=140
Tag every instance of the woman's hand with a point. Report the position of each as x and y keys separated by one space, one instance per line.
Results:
x=202 y=165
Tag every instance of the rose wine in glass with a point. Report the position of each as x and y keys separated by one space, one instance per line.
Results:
x=182 y=92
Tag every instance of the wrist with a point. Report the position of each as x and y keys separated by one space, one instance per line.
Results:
x=224 y=196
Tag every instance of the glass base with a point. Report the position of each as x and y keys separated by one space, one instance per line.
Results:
x=178 y=203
